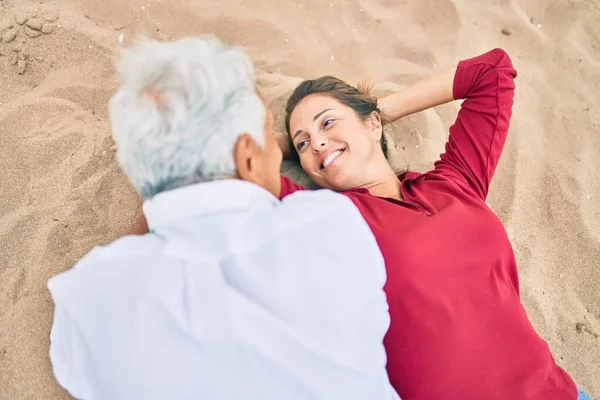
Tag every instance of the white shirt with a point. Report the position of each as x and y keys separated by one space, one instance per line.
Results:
x=232 y=295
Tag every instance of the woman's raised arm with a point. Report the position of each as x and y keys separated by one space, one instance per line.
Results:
x=486 y=83
x=432 y=91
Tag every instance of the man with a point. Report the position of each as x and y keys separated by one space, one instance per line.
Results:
x=220 y=300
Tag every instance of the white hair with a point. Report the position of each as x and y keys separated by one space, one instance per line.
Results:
x=179 y=111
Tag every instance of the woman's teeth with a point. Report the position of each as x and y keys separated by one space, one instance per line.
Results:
x=330 y=158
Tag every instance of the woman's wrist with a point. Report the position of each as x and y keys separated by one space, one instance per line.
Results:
x=394 y=106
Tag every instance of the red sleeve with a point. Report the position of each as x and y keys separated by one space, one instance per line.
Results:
x=478 y=135
x=288 y=187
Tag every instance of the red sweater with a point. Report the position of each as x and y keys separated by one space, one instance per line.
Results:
x=458 y=328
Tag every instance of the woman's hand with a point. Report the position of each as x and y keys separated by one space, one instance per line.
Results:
x=429 y=92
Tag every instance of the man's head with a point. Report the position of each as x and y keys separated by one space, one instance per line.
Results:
x=188 y=112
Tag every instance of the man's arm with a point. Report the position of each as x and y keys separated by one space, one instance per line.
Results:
x=68 y=355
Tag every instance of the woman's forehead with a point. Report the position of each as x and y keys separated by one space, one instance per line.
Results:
x=319 y=99
x=313 y=105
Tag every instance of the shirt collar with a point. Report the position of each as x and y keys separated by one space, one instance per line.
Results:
x=204 y=198
x=401 y=177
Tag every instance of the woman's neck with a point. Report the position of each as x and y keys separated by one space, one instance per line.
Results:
x=387 y=185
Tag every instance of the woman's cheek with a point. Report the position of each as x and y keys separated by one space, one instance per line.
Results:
x=304 y=164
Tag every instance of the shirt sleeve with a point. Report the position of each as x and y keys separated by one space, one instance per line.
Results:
x=288 y=187
x=66 y=353
x=477 y=137
x=68 y=350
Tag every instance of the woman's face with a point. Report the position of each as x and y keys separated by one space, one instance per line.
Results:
x=336 y=147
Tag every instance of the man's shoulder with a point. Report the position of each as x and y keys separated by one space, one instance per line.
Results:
x=322 y=201
x=314 y=213
x=323 y=209
x=102 y=259
x=131 y=246
x=327 y=217
x=123 y=249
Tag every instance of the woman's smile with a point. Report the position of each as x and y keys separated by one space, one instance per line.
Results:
x=330 y=158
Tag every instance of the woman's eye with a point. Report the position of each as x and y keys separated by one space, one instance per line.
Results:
x=327 y=123
x=301 y=144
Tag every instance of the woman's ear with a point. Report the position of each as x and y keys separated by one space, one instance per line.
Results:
x=245 y=155
x=375 y=125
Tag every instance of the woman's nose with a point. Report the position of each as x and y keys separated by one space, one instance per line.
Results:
x=319 y=144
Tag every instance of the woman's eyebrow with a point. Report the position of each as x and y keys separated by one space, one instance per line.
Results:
x=321 y=113
x=299 y=131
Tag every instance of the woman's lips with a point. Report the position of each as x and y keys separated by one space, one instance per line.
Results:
x=330 y=158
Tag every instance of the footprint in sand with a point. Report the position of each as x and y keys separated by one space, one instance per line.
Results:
x=17 y=30
x=584 y=327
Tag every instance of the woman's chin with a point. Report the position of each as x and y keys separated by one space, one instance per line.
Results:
x=334 y=178
x=339 y=184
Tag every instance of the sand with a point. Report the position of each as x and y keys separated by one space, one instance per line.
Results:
x=62 y=193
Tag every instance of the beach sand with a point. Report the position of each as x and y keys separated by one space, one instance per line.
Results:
x=61 y=191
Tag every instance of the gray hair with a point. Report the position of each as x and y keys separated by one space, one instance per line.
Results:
x=179 y=111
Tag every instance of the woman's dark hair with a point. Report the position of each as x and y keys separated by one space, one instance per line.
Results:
x=358 y=99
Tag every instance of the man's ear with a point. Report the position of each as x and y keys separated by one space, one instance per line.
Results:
x=375 y=125
x=245 y=155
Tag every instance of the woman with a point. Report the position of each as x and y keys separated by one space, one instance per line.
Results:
x=458 y=328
